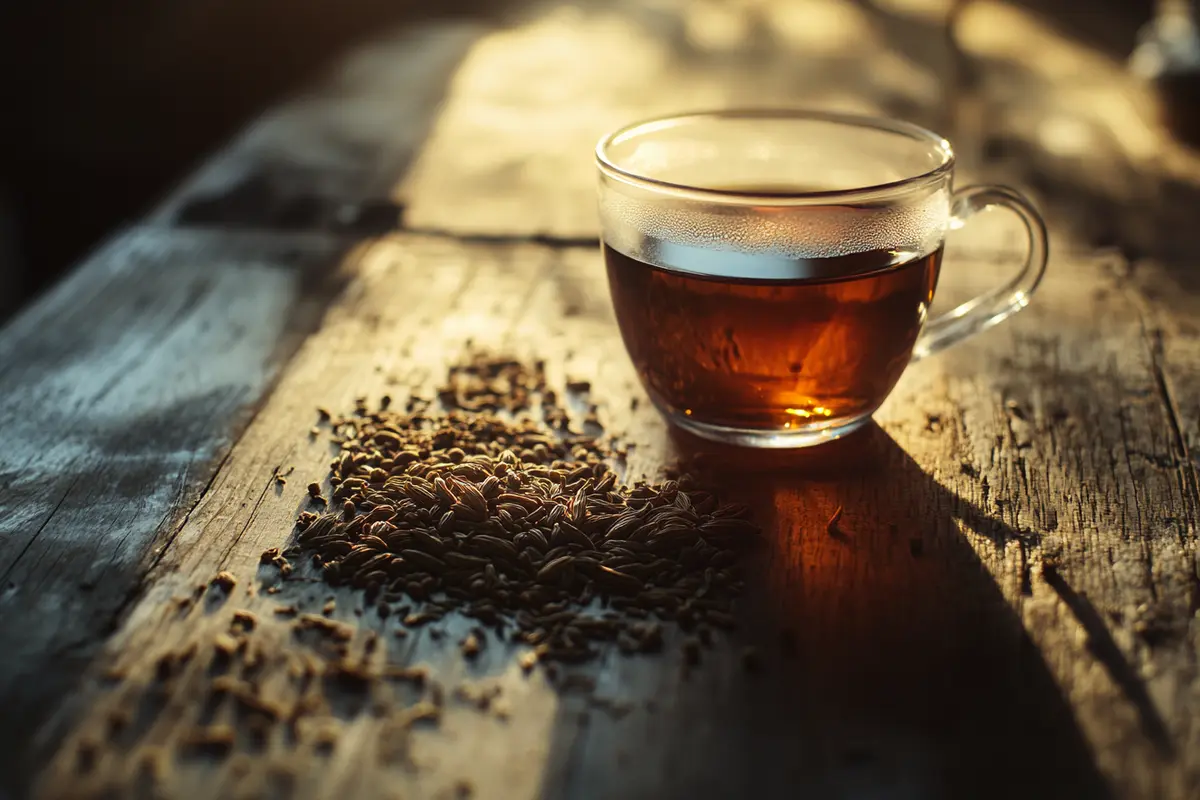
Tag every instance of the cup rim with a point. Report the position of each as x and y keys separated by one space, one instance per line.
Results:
x=939 y=145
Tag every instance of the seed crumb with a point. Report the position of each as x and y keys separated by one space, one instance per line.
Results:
x=225 y=644
x=329 y=607
x=471 y=646
x=214 y=739
x=224 y=580
x=338 y=631
x=245 y=619
x=422 y=712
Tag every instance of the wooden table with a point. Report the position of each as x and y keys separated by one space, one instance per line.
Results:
x=1011 y=611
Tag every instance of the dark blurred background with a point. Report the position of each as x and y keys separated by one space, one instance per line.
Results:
x=111 y=102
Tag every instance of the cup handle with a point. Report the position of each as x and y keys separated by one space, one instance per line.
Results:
x=1000 y=303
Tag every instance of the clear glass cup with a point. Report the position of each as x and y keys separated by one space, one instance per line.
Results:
x=772 y=270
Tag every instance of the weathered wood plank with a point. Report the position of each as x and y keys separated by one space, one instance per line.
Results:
x=511 y=153
x=124 y=388
x=1018 y=569
x=312 y=162
x=1060 y=116
x=915 y=668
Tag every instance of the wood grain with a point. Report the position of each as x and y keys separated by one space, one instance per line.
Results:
x=125 y=388
x=129 y=382
x=928 y=638
x=1007 y=610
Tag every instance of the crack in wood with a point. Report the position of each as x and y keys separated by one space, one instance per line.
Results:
x=1123 y=674
x=38 y=532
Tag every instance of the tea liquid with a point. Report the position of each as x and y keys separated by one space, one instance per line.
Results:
x=757 y=342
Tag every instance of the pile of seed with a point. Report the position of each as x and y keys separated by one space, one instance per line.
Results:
x=521 y=524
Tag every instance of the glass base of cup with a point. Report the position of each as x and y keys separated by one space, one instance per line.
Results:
x=805 y=435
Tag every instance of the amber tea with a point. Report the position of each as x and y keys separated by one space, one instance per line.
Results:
x=772 y=270
x=772 y=352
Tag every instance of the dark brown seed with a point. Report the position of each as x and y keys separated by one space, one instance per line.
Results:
x=473 y=497
x=468 y=512
x=379 y=514
x=318 y=526
x=424 y=561
x=553 y=569
x=617 y=582
x=464 y=561
x=494 y=546
x=428 y=541
x=374 y=578
x=334 y=549
x=370 y=540
x=422 y=496
x=379 y=561
x=357 y=557
x=520 y=500
x=442 y=491
x=571 y=534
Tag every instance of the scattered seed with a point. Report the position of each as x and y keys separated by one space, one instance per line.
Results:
x=338 y=631
x=224 y=580
x=471 y=646
x=518 y=520
x=214 y=739
x=246 y=620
